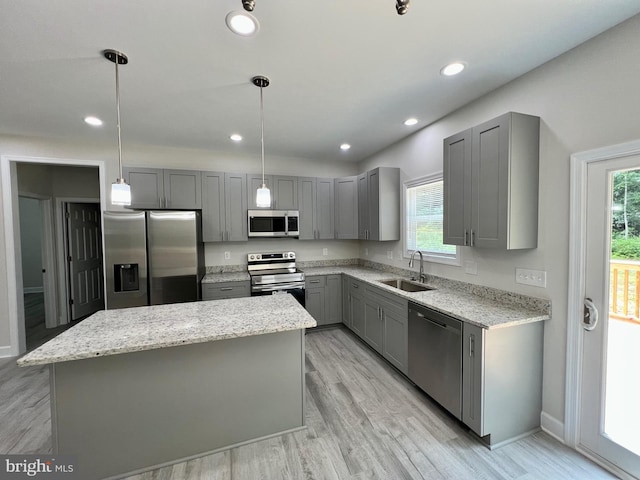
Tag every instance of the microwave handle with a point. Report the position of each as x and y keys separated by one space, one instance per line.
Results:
x=286 y=224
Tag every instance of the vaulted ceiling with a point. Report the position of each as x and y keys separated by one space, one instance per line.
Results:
x=341 y=71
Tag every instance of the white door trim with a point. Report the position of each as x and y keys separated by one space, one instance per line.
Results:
x=577 y=248
x=9 y=208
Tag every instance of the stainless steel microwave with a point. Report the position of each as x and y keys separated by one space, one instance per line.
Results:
x=274 y=223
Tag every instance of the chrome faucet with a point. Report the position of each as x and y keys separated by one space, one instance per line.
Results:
x=422 y=275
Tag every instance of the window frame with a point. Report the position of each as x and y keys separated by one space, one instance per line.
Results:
x=430 y=257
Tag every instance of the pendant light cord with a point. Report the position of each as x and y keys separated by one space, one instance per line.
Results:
x=118 y=119
x=262 y=131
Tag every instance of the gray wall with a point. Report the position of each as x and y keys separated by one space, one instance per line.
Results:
x=587 y=98
x=30 y=241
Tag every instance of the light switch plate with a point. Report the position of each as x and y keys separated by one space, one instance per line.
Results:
x=227 y=255
x=537 y=278
x=325 y=251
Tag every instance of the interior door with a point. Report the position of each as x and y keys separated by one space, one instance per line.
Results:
x=84 y=239
x=610 y=383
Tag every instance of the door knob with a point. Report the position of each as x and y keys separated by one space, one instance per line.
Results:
x=590 y=317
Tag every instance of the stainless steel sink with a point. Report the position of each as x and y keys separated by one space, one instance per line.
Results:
x=406 y=285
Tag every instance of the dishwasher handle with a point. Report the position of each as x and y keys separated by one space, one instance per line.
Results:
x=436 y=318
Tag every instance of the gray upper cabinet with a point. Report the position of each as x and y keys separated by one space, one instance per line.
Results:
x=284 y=191
x=163 y=188
x=379 y=204
x=316 y=205
x=346 y=208
x=224 y=207
x=491 y=184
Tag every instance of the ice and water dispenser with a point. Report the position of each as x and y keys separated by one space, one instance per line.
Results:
x=126 y=277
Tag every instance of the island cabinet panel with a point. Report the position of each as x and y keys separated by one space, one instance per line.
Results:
x=163 y=188
x=316 y=206
x=224 y=207
x=346 y=208
x=222 y=290
x=502 y=380
x=135 y=411
x=491 y=184
x=323 y=297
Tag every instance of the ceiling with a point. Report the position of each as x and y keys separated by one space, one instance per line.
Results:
x=341 y=71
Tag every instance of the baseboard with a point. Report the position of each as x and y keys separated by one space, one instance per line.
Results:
x=33 y=289
x=6 y=352
x=552 y=426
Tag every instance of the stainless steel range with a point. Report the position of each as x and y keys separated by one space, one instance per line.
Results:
x=274 y=273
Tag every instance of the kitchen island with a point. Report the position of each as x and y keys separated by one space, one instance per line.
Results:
x=137 y=388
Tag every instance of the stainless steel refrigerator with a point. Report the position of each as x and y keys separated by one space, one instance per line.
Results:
x=153 y=257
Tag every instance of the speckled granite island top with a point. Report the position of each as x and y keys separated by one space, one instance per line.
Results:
x=484 y=307
x=112 y=332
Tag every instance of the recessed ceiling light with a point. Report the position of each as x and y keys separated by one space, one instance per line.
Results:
x=235 y=137
x=452 y=69
x=410 y=121
x=345 y=147
x=242 y=23
x=93 y=121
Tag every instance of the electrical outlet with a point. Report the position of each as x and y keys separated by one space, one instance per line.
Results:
x=537 y=278
x=390 y=254
x=325 y=251
x=471 y=267
x=227 y=255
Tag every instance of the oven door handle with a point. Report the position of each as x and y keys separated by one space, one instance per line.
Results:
x=280 y=286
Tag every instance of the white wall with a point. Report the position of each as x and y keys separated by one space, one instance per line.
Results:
x=31 y=243
x=586 y=98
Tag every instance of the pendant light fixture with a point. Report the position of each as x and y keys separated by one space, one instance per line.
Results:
x=120 y=191
x=263 y=195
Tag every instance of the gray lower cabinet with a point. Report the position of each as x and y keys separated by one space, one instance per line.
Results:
x=224 y=207
x=357 y=306
x=502 y=380
x=222 y=290
x=379 y=318
x=163 y=188
x=346 y=208
x=316 y=206
x=323 y=298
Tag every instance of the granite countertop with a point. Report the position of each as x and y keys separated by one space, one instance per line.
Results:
x=112 y=332
x=226 y=277
x=484 y=307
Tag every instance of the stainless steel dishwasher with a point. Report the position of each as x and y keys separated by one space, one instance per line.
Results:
x=435 y=356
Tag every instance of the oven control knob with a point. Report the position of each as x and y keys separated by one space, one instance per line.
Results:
x=286 y=255
x=252 y=257
x=258 y=257
x=292 y=255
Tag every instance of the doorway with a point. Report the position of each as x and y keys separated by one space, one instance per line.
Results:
x=604 y=326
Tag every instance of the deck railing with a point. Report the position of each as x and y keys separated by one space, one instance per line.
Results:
x=625 y=290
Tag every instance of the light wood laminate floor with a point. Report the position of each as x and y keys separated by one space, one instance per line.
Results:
x=365 y=421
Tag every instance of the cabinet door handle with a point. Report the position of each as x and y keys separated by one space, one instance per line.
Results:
x=355 y=286
x=466 y=237
x=473 y=239
x=226 y=289
x=472 y=345
x=314 y=281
